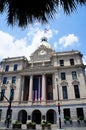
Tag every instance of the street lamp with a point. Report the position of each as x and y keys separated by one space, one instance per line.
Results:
x=59 y=115
x=59 y=111
x=8 y=116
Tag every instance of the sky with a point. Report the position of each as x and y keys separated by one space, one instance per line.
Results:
x=64 y=33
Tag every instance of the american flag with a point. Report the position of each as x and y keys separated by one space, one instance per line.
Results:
x=46 y=30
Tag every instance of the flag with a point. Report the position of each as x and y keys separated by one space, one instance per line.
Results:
x=35 y=95
x=46 y=30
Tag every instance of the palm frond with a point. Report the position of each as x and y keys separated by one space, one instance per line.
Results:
x=23 y=12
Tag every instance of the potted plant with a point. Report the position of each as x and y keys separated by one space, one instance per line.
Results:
x=65 y=121
x=70 y=121
x=84 y=120
x=45 y=125
x=31 y=125
x=16 y=125
x=78 y=120
x=67 y=118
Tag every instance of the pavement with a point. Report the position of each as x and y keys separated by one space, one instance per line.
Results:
x=68 y=128
x=54 y=127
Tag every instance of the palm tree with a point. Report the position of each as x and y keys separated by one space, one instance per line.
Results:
x=23 y=12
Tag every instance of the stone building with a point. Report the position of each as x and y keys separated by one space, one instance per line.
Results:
x=42 y=82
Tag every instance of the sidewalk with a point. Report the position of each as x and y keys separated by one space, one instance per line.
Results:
x=54 y=127
x=70 y=128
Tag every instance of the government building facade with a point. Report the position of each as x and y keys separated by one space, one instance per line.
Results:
x=42 y=83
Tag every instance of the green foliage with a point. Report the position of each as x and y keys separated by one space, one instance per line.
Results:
x=17 y=122
x=81 y=118
x=46 y=123
x=31 y=123
x=65 y=121
x=67 y=118
x=16 y=125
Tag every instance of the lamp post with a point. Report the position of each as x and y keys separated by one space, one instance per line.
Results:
x=8 y=116
x=59 y=110
x=59 y=115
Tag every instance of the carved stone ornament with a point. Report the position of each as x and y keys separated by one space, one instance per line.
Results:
x=42 y=52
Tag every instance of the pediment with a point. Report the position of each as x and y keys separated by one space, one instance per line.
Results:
x=64 y=83
x=42 y=53
x=75 y=82
x=3 y=86
x=13 y=86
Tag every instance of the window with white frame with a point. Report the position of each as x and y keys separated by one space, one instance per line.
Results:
x=13 y=79
x=63 y=76
x=61 y=62
x=76 y=90
x=71 y=61
x=64 y=91
x=4 y=80
x=74 y=75
x=15 y=67
x=7 y=68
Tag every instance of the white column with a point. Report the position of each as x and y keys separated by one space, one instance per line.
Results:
x=31 y=87
x=43 y=88
x=21 y=89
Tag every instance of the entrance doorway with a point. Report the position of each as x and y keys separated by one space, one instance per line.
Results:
x=51 y=116
x=36 y=116
x=22 y=116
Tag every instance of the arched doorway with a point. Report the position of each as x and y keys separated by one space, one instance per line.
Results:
x=36 y=116
x=22 y=116
x=51 y=116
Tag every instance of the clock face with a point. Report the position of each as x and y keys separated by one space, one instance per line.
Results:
x=42 y=52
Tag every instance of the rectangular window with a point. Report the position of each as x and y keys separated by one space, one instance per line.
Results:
x=74 y=75
x=64 y=91
x=7 y=68
x=4 y=80
x=80 y=113
x=2 y=94
x=11 y=94
x=76 y=90
x=61 y=62
x=63 y=76
x=15 y=67
x=71 y=61
x=66 y=113
x=14 y=79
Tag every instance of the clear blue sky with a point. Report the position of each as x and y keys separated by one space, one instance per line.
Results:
x=64 y=33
